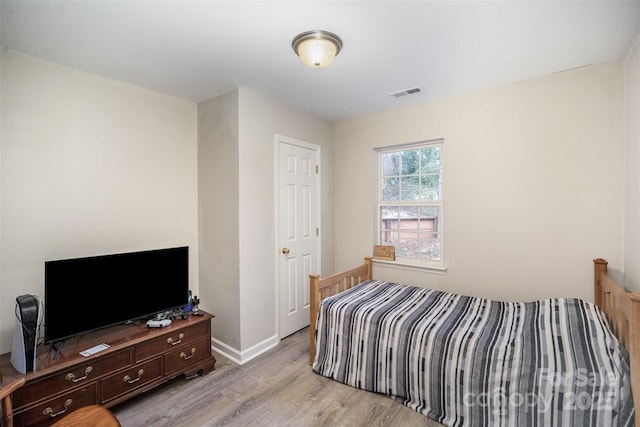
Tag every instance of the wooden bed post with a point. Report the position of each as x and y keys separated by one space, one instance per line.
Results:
x=599 y=267
x=368 y=262
x=314 y=279
x=622 y=310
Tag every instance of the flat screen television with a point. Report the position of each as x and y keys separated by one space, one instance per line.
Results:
x=86 y=294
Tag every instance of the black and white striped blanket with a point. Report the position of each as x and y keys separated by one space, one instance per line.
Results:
x=466 y=361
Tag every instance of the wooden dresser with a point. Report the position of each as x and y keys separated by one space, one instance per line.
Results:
x=138 y=359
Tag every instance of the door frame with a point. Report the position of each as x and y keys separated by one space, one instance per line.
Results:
x=278 y=140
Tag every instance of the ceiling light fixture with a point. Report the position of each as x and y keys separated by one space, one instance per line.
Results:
x=317 y=48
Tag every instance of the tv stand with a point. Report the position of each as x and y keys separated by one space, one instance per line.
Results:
x=138 y=359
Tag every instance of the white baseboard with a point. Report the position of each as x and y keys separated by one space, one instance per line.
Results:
x=242 y=357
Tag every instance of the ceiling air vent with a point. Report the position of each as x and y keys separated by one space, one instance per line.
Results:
x=405 y=92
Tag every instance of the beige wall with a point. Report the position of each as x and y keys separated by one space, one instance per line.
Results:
x=218 y=191
x=262 y=118
x=242 y=142
x=89 y=166
x=632 y=158
x=533 y=185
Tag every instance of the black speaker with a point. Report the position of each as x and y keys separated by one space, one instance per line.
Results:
x=25 y=335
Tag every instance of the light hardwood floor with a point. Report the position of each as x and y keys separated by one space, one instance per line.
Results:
x=277 y=388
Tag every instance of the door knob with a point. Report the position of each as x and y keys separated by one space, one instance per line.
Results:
x=285 y=250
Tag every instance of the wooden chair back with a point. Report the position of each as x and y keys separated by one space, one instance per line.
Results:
x=5 y=397
x=93 y=415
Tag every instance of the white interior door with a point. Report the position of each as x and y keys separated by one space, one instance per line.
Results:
x=298 y=230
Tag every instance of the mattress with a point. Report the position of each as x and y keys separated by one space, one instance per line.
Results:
x=467 y=361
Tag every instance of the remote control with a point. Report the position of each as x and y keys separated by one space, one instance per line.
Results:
x=95 y=349
x=158 y=323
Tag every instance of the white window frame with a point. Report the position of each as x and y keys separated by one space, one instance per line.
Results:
x=411 y=263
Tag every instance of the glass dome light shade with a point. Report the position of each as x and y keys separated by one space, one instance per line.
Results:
x=317 y=49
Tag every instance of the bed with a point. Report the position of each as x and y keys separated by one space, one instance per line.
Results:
x=465 y=361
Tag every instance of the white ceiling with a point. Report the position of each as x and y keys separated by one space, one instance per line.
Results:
x=197 y=49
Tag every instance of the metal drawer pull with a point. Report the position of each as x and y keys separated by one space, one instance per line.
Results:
x=172 y=342
x=52 y=414
x=127 y=378
x=185 y=357
x=71 y=377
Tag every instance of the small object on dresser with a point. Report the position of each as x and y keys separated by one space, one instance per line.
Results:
x=158 y=323
x=385 y=253
x=187 y=308
x=95 y=349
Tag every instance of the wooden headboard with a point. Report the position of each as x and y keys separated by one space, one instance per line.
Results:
x=331 y=285
x=623 y=313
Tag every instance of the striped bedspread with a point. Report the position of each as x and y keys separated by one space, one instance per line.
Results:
x=465 y=361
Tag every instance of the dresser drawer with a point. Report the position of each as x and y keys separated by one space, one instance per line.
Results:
x=72 y=377
x=182 y=357
x=53 y=409
x=172 y=340
x=121 y=383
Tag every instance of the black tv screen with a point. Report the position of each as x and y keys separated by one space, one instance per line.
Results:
x=85 y=294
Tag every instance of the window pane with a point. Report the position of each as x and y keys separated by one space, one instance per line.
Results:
x=390 y=164
x=430 y=218
x=429 y=245
x=390 y=189
x=388 y=238
x=389 y=217
x=430 y=160
x=389 y=211
x=409 y=216
x=410 y=162
x=410 y=187
x=430 y=187
x=407 y=246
